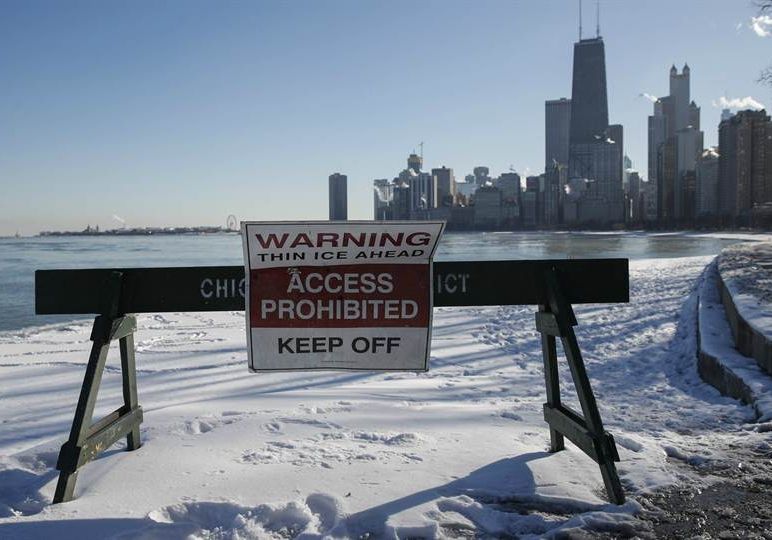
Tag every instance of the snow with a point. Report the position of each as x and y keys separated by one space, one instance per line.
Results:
x=455 y=452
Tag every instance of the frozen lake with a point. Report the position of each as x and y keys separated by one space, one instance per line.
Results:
x=19 y=258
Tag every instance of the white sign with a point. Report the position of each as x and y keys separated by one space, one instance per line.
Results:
x=353 y=295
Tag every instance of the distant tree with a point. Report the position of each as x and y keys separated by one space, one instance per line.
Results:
x=765 y=6
x=766 y=76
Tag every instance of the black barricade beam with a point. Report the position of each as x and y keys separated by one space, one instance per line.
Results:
x=221 y=288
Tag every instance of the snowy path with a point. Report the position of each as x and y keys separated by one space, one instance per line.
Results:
x=456 y=452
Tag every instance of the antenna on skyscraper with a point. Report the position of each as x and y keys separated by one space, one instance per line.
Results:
x=580 y=20
x=597 y=18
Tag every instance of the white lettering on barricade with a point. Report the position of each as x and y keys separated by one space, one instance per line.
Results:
x=354 y=295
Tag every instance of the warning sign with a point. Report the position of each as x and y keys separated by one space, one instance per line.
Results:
x=339 y=295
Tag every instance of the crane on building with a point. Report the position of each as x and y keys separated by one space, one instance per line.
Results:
x=421 y=154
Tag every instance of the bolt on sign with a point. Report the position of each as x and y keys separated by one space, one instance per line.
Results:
x=339 y=295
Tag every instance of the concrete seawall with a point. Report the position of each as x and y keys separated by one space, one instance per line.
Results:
x=719 y=362
x=745 y=286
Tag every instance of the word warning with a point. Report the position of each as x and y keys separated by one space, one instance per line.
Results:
x=339 y=295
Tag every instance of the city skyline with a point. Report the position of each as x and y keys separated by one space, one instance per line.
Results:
x=194 y=157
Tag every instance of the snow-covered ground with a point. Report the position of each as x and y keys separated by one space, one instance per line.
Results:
x=459 y=451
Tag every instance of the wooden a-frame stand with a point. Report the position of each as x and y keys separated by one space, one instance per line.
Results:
x=556 y=319
x=87 y=440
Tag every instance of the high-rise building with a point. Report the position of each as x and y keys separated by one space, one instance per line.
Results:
x=445 y=184
x=634 y=201
x=487 y=207
x=481 y=175
x=679 y=92
x=557 y=126
x=415 y=162
x=422 y=190
x=465 y=190
x=338 y=197
x=657 y=137
x=383 y=195
x=509 y=185
x=595 y=148
x=423 y=193
x=589 y=104
x=627 y=163
x=689 y=148
x=401 y=203
x=550 y=194
x=675 y=144
x=667 y=169
x=694 y=116
x=744 y=163
x=707 y=184
x=649 y=190
x=556 y=178
x=531 y=202
x=600 y=165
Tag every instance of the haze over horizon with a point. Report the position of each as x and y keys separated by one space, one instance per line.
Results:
x=184 y=112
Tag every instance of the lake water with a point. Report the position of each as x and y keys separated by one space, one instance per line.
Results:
x=20 y=257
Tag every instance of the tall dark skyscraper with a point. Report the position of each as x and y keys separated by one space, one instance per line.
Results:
x=557 y=123
x=589 y=103
x=338 y=197
x=595 y=148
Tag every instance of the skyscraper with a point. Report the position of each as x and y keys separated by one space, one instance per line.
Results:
x=657 y=137
x=707 y=184
x=509 y=185
x=634 y=210
x=679 y=92
x=744 y=163
x=589 y=104
x=595 y=148
x=445 y=184
x=338 y=197
x=383 y=196
x=481 y=175
x=415 y=162
x=675 y=144
x=557 y=125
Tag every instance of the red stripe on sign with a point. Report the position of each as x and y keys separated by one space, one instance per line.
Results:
x=347 y=296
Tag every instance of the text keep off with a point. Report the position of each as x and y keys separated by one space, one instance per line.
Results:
x=339 y=295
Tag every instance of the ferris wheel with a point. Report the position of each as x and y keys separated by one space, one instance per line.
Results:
x=232 y=224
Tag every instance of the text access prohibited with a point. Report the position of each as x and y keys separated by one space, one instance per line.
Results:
x=339 y=295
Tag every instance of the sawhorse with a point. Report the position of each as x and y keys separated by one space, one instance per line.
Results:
x=87 y=440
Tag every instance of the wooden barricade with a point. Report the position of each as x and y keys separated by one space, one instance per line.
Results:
x=115 y=295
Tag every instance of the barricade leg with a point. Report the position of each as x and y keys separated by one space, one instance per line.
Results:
x=88 y=439
x=129 y=373
x=556 y=319
x=552 y=381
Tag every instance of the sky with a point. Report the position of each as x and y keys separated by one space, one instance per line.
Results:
x=181 y=112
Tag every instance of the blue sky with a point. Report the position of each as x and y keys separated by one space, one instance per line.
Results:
x=182 y=112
